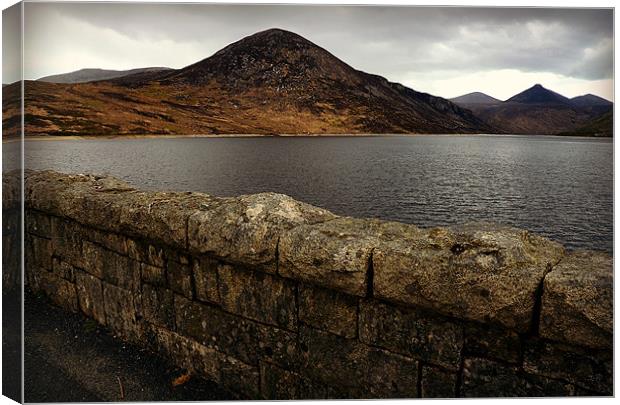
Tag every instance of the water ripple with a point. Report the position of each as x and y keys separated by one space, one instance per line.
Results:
x=562 y=188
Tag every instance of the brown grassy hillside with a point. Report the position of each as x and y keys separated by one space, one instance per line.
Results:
x=273 y=82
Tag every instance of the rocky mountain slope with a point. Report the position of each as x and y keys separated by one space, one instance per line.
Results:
x=538 y=110
x=91 y=75
x=537 y=94
x=589 y=100
x=602 y=125
x=475 y=98
x=273 y=82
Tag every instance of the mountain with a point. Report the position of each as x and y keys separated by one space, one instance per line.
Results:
x=91 y=75
x=474 y=98
x=272 y=82
x=538 y=110
x=590 y=100
x=602 y=125
x=594 y=105
x=537 y=94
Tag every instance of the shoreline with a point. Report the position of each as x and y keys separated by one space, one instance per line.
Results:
x=217 y=136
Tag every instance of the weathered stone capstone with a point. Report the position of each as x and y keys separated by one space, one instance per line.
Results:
x=246 y=229
x=483 y=272
x=577 y=301
x=276 y=299
x=334 y=254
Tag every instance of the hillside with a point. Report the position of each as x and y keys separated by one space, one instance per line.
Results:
x=475 y=98
x=91 y=75
x=537 y=94
x=589 y=100
x=602 y=126
x=538 y=110
x=272 y=82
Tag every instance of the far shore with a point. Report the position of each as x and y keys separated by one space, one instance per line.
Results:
x=169 y=136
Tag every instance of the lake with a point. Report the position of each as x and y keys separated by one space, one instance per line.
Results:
x=559 y=187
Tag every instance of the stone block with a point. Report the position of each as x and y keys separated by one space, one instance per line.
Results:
x=33 y=279
x=180 y=257
x=11 y=189
x=146 y=253
x=188 y=354
x=90 y=200
x=279 y=384
x=120 y=270
x=41 y=252
x=486 y=378
x=180 y=278
x=111 y=241
x=437 y=383
x=328 y=310
x=90 y=296
x=577 y=301
x=482 y=271
x=411 y=332
x=38 y=223
x=93 y=259
x=259 y=296
x=160 y=216
x=355 y=368
x=212 y=327
x=67 y=237
x=158 y=306
x=491 y=341
x=586 y=368
x=11 y=222
x=63 y=269
x=333 y=254
x=278 y=346
x=205 y=279
x=245 y=230
x=60 y=291
x=11 y=261
x=241 y=338
x=153 y=275
x=240 y=378
x=120 y=312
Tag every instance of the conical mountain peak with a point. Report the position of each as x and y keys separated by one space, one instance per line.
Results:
x=475 y=98
x=274 y=57
x=537 y=94
x=588 y=100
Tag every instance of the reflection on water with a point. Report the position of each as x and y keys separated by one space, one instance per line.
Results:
x=559 y=187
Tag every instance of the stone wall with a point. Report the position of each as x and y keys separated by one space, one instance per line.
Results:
x=274 y=298
x=12 y=298
x=11 y=233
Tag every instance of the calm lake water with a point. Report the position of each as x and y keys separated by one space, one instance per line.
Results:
x=559 y=187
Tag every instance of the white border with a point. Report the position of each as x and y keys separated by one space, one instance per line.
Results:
x=477 y=3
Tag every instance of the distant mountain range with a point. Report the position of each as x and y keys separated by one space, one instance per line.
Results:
x=275 y=82
x=589 y=100
x=91 y=75
x=475 y=98
x=538 y=110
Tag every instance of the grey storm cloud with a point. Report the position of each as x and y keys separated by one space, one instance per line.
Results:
x=390 y=41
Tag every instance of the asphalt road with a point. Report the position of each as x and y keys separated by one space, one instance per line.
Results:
x=69 y=358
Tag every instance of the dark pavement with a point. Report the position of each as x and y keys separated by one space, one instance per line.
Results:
x=71 y=358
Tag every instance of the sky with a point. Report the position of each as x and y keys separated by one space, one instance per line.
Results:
x=443 y=51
